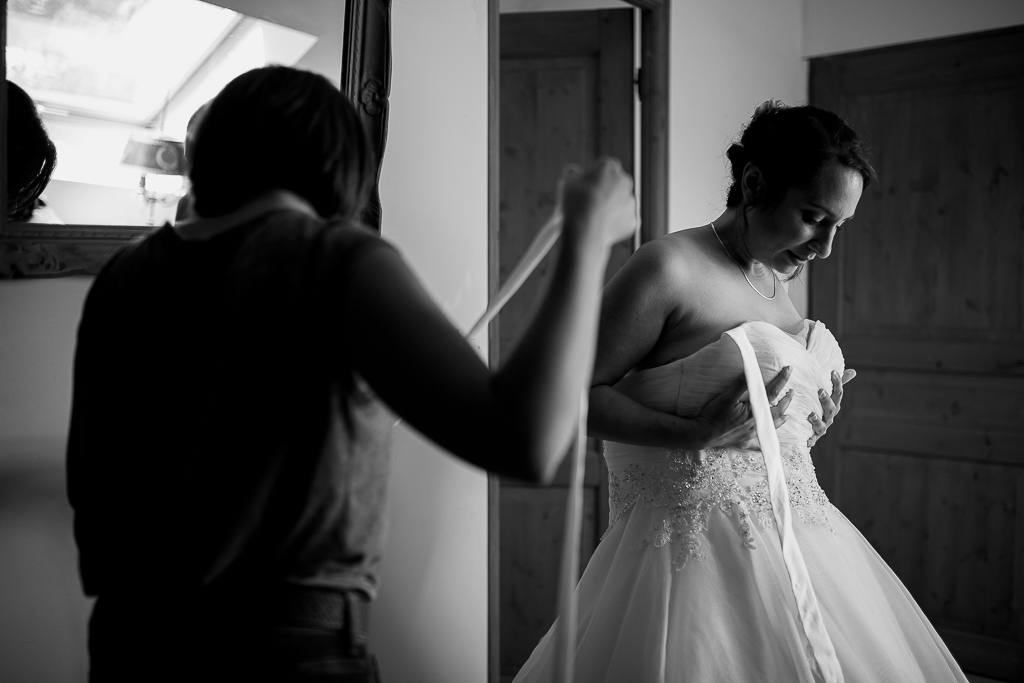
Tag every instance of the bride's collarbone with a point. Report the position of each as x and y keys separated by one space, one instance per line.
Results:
x=726 y=307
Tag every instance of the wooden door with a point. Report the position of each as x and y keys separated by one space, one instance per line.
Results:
x=566 y=95
x=926 y=295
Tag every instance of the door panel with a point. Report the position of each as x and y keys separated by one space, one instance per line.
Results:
x=547 y=120
x=925 y=293
x=531 y=544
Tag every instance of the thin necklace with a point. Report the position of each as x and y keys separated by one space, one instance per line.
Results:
x=775 y=281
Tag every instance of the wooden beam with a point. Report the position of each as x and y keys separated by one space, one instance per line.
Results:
x=654 y=121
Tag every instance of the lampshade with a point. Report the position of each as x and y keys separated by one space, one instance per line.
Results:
x=156 y=155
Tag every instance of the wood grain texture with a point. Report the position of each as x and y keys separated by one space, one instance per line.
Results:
x=654 y=120
x=532 y=517
x=548 y=120
x=566 y=96
x=925 y=293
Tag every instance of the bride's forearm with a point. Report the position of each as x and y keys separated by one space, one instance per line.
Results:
x=613 y=416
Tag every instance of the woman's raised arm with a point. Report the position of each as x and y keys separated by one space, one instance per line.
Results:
x=520 y=419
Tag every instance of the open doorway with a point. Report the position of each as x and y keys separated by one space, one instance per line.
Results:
x=566 y=86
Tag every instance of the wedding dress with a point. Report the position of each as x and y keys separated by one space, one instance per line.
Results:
x=691 y=583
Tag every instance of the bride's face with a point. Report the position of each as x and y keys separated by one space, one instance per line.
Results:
x=803 y=225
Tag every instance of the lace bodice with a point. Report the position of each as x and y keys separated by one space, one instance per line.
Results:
x=689 y=486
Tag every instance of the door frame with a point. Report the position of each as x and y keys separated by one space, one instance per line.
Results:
x=653 y=87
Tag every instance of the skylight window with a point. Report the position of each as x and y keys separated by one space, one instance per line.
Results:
x=116 y=59
x=105 y=71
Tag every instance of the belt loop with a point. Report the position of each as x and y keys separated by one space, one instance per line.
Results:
x=357 y=612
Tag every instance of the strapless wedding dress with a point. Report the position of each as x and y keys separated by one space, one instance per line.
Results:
x=691 y=583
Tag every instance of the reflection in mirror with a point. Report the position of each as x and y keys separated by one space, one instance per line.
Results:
x=352 y=49
x=116 y=82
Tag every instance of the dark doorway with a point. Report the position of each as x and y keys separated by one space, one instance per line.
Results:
x=542 y=60
x=566 y=95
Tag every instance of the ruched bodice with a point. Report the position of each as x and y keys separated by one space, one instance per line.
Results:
x=689 y=484
x=683 y=386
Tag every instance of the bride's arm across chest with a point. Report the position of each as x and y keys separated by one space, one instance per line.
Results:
x=637 y=305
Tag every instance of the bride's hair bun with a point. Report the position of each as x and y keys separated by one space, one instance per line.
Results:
x=767 y=108
x=790 y=145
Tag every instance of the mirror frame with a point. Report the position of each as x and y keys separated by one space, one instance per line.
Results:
x=46 y=250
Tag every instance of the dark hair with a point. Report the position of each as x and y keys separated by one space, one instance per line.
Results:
x=277 y=127
x=31 y=155
x=191 y=129
x=790 y=145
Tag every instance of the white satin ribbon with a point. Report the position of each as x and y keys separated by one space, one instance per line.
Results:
x=569 y=571
x=535 y=253
x=806 y=601
x=565 y=636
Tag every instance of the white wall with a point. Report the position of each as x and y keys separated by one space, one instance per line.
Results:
x=430 y=622
x=728 y=56
x=832 y=26
x=42 y=610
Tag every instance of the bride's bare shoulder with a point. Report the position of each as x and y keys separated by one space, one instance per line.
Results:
x=676 y=256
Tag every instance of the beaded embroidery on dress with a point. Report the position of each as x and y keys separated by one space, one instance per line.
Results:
x=689 y=489
x=689 y=582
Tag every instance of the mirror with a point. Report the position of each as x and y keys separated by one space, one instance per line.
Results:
x=116 y=82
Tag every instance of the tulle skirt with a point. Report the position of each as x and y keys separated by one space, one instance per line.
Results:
x=730 y=616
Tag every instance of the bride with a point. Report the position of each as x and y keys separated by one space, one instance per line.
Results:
x=714 y=569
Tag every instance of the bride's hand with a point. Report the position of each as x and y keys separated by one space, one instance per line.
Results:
x=829 y=406
x=727 y=419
